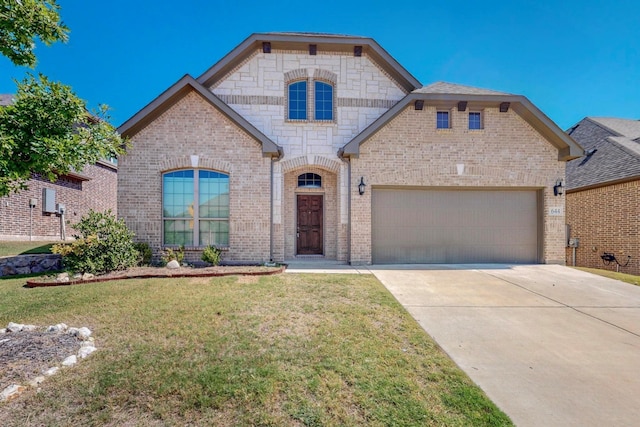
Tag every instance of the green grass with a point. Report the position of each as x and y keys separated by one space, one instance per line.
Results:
x=285 y=350
x=22 y=248
x=629 y=278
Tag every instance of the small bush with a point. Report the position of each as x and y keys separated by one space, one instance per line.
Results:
x=168 y=254
x=145 y=253
x=212 y=255
x=104 y=244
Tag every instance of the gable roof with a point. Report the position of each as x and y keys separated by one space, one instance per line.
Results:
x=301 y=41
x=176 y=92
x=612 y=152
x=442 y=93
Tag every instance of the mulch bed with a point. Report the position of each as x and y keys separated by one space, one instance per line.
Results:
x=162 y=272
x=25 y=355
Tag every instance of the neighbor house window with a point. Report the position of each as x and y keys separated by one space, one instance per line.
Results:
x=475 y=120
x=323 y=101
x=298 y=101
x=310 y=180
x=442 y=120
x=195 y=208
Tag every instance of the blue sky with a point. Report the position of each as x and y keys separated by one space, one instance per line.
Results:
x=570 y=58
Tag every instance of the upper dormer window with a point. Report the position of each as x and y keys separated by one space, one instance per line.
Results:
x=324 y=101
x=298 y=101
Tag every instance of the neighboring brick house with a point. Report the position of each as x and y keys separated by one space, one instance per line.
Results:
x=25 y=216
x=316 y=145
x=603 y=194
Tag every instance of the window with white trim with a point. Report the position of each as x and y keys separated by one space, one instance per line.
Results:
x=195 y=208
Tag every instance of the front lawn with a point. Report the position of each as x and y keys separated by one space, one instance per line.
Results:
x=23 y=248
x=624 y=277
x=285 y=350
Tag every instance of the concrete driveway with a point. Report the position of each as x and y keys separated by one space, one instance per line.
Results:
x=550 y=345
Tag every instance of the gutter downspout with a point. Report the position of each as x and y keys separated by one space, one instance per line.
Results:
x=273 y=160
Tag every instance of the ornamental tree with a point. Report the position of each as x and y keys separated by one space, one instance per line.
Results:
x=47 y=129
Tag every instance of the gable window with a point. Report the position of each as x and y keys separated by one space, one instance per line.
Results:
x=475 y=120
x=309 y=180
x=195 y=208
x=323 y=101
x=298 y=101
x=442 y=120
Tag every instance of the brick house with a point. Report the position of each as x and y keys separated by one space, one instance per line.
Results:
x=33 y=214
x=603 y=194
x=315 y=145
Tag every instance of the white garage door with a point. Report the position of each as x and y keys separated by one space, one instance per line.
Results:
x=454 y=226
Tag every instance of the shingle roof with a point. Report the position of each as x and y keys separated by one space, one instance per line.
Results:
x=6 y=99
x=615 y=155
x=451 y=88
x=623 y=127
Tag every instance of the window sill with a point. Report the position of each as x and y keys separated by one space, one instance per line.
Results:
x=196 y=248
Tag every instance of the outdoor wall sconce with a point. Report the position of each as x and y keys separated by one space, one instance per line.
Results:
x=361 y=186
x=557 y=189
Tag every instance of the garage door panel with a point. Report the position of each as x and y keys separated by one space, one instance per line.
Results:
x=451 y=226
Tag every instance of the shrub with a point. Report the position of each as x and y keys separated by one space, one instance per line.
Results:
x=145 y=253
x=212 y=255
x=104 y=244
x=168 y=254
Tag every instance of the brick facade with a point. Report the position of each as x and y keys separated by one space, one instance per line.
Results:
x=192 y=132
x=606 y=219
x=409 y=151
x=20 y=222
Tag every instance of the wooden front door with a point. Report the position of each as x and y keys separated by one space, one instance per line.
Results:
x=309 y=230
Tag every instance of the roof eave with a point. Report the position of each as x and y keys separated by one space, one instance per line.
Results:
x=301 y=41
x=568 y=148
x=176 y=92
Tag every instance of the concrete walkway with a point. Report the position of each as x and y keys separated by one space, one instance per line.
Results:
x=550 y=345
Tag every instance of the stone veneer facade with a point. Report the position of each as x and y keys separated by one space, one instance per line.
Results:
x=193 y=133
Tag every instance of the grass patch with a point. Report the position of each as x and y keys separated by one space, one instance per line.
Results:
x=285 y=350
x=24 y=248
x=624 y=277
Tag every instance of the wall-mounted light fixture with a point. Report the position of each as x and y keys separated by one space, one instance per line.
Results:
x=361 y=186
x=557 y=189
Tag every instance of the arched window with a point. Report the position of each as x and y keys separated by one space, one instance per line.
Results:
x=323 y=101
x=309 y=180
x=298 y=101
x=195 y=208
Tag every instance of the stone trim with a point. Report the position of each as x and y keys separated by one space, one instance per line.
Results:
x=317 y=161
x=252 y=99
x=365 y=103
x=184 y=162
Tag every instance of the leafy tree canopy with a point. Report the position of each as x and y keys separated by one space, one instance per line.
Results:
x=21 y=21
x=47 y=129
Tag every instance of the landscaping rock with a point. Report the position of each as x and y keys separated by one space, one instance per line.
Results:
x=84 y=333
x=28 y=328
x=36 y=381
x=173 y=264
x=85 y=351
x=14 y=327
x=11 y=392
x=87 y=276
x=62 y=277
x=60 y=327
x=70 y=361
x=51 y=371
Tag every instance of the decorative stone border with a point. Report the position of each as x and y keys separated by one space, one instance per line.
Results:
x=177 y=274
x=29 y=264
x=86 y=348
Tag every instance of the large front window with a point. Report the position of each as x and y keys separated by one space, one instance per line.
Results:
x=324 y=101
x=195 y=206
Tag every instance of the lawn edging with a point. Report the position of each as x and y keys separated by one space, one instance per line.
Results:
x=178 y=274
